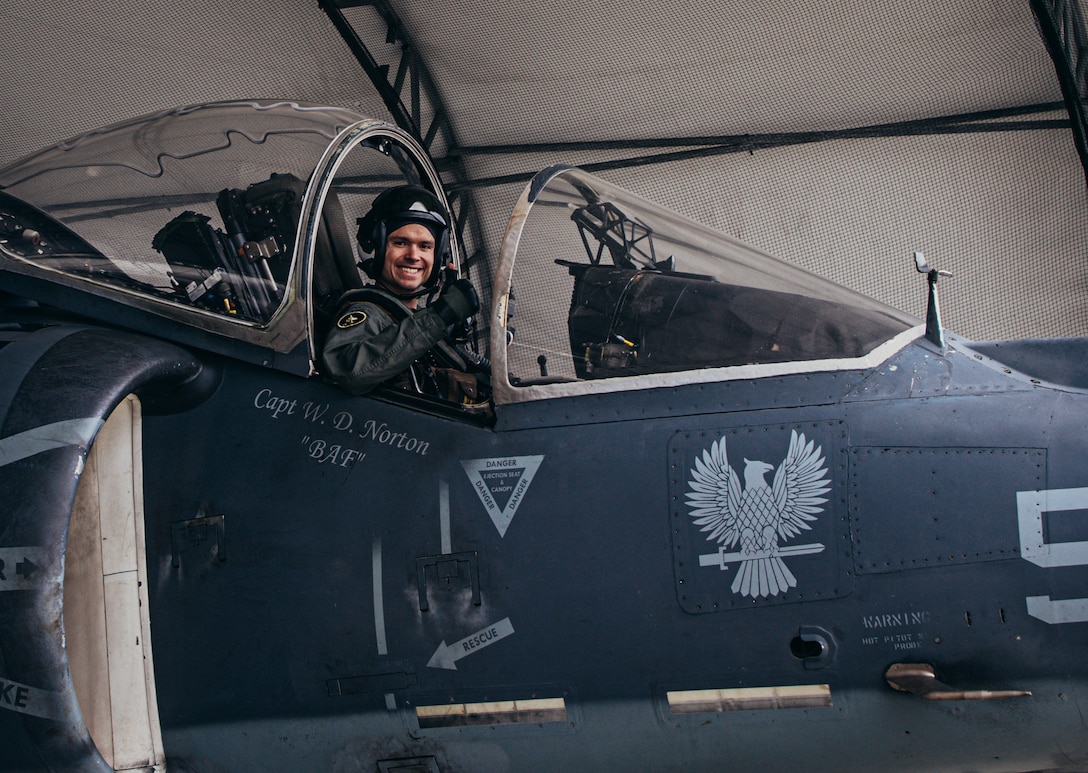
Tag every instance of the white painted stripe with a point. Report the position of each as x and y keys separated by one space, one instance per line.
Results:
x=379 y=600
x=73 y=432
x=1058 y=612
x=27 y=700
x=22 y=568
x=505 y=393
x=1030 y=506
x=444 y=515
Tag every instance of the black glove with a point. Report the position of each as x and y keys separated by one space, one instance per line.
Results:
x=457 y=303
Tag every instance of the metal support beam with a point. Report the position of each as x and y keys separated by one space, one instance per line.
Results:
x=1065 y=32
x=686 y=148
x=416 y=106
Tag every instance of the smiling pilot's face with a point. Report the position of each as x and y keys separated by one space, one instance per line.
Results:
x=409 y=258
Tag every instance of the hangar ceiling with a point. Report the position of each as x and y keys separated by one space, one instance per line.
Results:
x=841 y=135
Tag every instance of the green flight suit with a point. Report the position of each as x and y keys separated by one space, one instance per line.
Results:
x=377 y=340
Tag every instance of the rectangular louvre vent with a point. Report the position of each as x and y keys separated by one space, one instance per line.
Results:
x=799 y=696
x=492 y=713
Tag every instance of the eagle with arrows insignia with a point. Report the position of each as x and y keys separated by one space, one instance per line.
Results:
x=759 y=517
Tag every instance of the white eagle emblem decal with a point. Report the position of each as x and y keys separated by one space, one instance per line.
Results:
x=759 y=516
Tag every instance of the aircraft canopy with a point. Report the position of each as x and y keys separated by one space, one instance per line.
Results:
x=219 y=217
x=595 y=283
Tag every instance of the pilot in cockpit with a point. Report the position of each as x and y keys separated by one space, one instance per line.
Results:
x=381 y=334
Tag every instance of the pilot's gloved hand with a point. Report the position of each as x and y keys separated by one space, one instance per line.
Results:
x=457 y=303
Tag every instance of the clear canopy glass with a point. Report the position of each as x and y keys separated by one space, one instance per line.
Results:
x=160 y=203
x=596 y=283
x=217 y=216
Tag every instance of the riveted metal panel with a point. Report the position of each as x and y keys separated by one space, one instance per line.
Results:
x=914 y=508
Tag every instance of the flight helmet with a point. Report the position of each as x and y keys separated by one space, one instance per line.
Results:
x=397 y=207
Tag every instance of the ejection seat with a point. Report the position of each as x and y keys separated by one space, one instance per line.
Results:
x=245 y=269
x=335 y=270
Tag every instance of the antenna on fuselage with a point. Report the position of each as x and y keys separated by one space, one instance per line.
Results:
x=934 y=333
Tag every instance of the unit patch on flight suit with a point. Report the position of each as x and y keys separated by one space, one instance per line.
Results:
x=351 y=319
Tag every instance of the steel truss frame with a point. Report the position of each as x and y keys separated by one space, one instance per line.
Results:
x=410 y=96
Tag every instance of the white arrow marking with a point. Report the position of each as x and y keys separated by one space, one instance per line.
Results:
x=447 y=657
